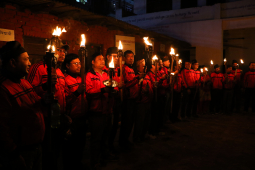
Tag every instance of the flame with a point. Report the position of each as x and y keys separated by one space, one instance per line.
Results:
x=241 y=61
x=48 y=47
x=64 y=30
x=201 y=70
x=57 y=31
x=83 y=40
x=172 y=51
x=180 y=61
x=177 y=55
x=53 y=49
x=146 y=41
x=120 y=46
x=155 y=58
x=206 y=69
x=211 y=62
x=172 y=74
x=111 y=64
x=225 y=60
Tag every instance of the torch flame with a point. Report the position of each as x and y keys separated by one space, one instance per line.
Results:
x=225 y=60
x=172 y=74
x=172 y=51
x=201 y=70
x=146 y=41
x=48 y=47
x=177 y=55
x=155 y=58
x=111 y=64
x=206 y=69
x=180 y=61
x=241 y=61
x=57 y=31
x=64 y=30
x=53 y=48
x=211 y=62
x=83 y=40
x=120 y=46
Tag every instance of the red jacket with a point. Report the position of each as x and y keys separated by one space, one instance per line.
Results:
x=188 y=78
x=205 y=82
x=197 y=75
x=147 y=90
x=38 y=77
x=229 y=82
x=249 y=79
x=131 y=82
x=162 y=84
x=238 y=75
x=178 y=83
x=163 y=71
x=217 y=80
x=21 y=117
x=73 y=98
x=98 y=99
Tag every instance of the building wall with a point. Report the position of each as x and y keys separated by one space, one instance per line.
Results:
x=41 y=25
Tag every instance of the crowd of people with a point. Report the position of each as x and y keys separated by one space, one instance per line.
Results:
x=141 y=103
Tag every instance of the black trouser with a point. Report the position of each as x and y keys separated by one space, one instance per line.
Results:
x=127 y=120
x=141 y=121
x=100 y=126
x=32 y=156
x=115 y=124
x=216 y=98
x=249 y=97
x=227 y=101
x=73 y=147
x=188 y=104
x=176 y=106
x=236 y=99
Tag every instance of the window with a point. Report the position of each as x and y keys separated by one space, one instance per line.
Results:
x=188 y=3
x=158 y=5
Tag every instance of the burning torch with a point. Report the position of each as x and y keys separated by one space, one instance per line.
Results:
x=83 y=53
x=155 y=62
x=120 y=54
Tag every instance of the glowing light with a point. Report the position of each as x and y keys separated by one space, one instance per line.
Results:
x=177 y=55
x=201 y=70
x=120 y=46
x=53 y=49
x=206 y=69
x=225 y=60
x=83 y=40
x=172 y=74
x=241 y=60
x=111 y=64
x=57 y=31
x=211 y=62
x=48 y=47
x=172 y=51
x=64 y=30
x=146 y=41
x=180 y=61
x=154 y=58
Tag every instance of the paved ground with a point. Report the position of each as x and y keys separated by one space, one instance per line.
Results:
x=210 y=142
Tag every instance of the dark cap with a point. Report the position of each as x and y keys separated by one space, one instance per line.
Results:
x=194 y=61
x=65 y=47
x=95 y=55
x=112 y=50
x=234 y=61
x=165 y=58
x=10 y=50
x=216 y=66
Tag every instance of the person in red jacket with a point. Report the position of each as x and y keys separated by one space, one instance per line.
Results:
x=177 y=80
x=197 y=79
x=21 y=119
x=249 y=85
x=229 y=85
x=237 y=86
x=143 y=106
x=112 y=54
x=131 y=92
x=188 y=90
x=217 y=79
x=73 y=147
x=100 y=103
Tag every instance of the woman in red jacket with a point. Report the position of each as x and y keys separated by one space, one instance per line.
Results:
x=73 y=147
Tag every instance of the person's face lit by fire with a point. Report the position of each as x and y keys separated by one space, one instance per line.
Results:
x=98 y=62
x=140 y=65
x=115 y=58
x=229 y=69
x=235 y=65
x=195 y=66
x=74 y=66
x=188 y=65
x=129 y=58
x=61 y=55
x=217 y=70
x=252 y=66
x=21 y=65
x=166 y=63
